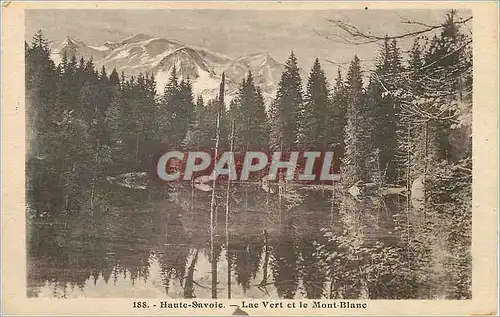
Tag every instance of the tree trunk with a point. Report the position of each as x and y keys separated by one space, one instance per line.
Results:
x=408 y=192
x=332 y=207
x=136 y=147
x=94 y=178
x=189 y=285
x=228 y=257
x=212 y=218
x=426 y=160
x=263 y=283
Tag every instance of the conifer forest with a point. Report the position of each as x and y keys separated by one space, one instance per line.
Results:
x=397 y=225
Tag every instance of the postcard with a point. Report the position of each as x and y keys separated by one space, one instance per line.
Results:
x=249 y=158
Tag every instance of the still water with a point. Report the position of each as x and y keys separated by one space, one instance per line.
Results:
x=135 y=243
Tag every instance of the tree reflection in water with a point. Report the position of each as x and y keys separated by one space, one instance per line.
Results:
x=139 y=243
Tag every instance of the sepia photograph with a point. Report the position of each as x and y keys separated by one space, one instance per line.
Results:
x=316 y=155
x=389 y=93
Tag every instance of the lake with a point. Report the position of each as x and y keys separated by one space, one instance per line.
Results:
x=157 y=242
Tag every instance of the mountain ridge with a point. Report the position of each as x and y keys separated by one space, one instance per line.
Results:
x=142 y=53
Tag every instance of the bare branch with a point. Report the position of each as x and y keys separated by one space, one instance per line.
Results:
x=418 y=23
x=344 y=65
x=367 y=38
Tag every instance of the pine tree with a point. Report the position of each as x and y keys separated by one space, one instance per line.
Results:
x=195 y=134
x=338 y=119
x=249 y=114
x=145 y=112
x=447 y=54
x=382 y=96
x=185 y=98
x=172 y=85
x=409 y=157
x=112 y=118
x=447 y=93
x=436 y=101
x=129 y=123
x=43 y=171
x=177 y=110
x=316 y=131
x=358 y=131
x=287 y=108
x=41 y=83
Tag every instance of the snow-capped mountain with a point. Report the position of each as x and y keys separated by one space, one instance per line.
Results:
x=266 y=71
x=71 y=47
x=158 y=56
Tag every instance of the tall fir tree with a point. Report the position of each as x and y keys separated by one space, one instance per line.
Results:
x=358 y=130
x=338 y=119
x=382 y=95
x=411 y=131
x=112 y=118
x=41 y=87
x=287 y=108
x=447 y=54
x=316 y=131
x=249 y=114
x=177 y=109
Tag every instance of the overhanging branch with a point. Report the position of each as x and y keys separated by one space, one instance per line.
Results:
x=359 y=37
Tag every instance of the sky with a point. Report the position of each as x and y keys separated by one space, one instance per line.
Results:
x=237 y=32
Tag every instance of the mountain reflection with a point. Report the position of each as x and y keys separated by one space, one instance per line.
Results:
x=142 y=245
